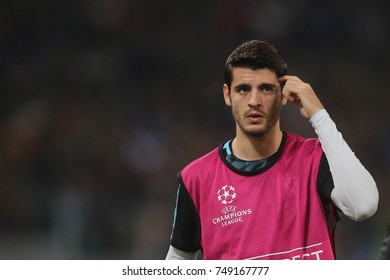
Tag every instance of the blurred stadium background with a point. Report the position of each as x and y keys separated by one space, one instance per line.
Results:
x=103 y=102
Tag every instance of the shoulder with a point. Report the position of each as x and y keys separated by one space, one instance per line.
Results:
x=203 y=162
x=298 y=140
x=298 y=145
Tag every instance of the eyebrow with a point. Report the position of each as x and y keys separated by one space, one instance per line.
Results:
x=273 y=86
x=241 y=86
x=262 y=85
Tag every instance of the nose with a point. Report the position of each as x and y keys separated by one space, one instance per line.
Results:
x=255 y=99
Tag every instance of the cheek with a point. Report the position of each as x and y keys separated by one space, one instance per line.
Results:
x=235 y=111
x=276 y=108
x=276 y=102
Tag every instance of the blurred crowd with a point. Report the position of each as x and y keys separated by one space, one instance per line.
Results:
x=103 y=102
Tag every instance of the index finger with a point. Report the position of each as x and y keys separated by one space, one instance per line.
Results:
x=288 y=77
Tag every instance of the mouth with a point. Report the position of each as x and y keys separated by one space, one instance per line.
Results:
x=255 y=116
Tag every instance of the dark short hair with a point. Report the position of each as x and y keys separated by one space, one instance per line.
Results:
x=254 y=54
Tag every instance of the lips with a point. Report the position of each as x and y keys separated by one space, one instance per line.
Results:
x=255 y=116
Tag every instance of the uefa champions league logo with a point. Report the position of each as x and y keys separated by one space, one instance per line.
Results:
x=230 y=214
x=226 y=194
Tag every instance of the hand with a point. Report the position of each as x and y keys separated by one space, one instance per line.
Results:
x=301 y=93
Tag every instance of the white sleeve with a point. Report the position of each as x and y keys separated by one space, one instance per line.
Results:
x=355 y=192
x=176 y=254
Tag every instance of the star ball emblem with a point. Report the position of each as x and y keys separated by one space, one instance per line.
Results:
x=226 y=194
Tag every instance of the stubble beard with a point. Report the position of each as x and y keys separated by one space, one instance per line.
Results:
x=258 y=131
x=255 y=132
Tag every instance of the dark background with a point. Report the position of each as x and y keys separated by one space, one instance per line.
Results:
x=103 y=102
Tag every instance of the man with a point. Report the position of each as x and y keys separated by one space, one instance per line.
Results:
x=269 y=194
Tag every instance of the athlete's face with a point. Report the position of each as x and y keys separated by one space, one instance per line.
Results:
x=256 y=100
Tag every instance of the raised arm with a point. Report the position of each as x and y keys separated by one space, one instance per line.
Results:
x=355 y=192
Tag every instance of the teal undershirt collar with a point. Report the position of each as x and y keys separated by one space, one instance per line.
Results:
x=242 y=165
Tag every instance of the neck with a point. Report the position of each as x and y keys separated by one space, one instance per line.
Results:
x=247 y=147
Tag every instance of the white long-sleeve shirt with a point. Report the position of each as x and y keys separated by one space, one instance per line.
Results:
x=355 y=192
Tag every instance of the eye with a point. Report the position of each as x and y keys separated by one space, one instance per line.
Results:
x=267 y=89
x=243 y=89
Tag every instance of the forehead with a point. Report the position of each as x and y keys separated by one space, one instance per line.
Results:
x=246 y=75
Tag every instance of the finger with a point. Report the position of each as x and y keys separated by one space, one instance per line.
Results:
x=292 y=97
x=286 y=78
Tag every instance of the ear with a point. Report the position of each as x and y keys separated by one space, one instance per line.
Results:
x=226 y=95
x=284 y=100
